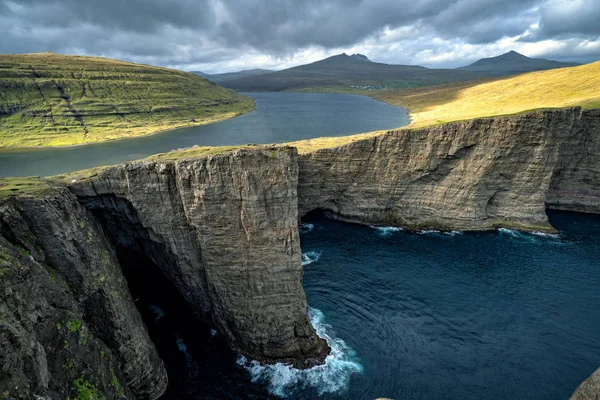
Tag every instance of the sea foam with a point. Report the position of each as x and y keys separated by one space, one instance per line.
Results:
x=305 y=227
x=333 y=376
x=387 y=230
x=310 y=257
x=530 y=236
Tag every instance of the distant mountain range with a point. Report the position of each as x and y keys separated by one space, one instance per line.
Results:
x=348 y=72
x=512 y=63
x=356 y=72
x=228 y=76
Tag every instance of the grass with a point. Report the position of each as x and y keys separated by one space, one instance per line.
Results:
x=557 y=88
x=48 y=99
x=16 y=186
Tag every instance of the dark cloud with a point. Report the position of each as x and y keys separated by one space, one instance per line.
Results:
x=228 y=33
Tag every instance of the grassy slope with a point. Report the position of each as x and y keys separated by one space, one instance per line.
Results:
x=54 y=100
x=343 y=73
x=555 y=88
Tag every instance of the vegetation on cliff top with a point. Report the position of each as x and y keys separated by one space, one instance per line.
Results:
x=17 y=186
x=56 y=100
x=557 y=88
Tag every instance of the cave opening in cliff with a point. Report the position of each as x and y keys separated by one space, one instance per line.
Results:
x=196 y=357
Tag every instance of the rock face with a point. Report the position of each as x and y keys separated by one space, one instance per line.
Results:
x=224 y=230
x=589 y=389
x=68 y=325
x=222 y=227
x=471 y=175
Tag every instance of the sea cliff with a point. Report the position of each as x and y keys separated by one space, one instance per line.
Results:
x=472 y=175
x=222 y=227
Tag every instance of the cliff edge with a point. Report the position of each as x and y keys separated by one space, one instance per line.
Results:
x=472 y=175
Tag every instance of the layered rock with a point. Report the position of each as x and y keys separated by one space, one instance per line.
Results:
x=68 y=325
x=223 y=229
x=472 y=175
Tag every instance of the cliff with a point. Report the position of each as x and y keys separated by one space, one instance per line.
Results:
x=224 y=230
x=221 y=225
x=472 y=175
x=68 y=325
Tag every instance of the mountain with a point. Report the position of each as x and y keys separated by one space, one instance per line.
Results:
x=556 y=88
x=349 y=72
x=48 y=99
x=228 y=76
x=512 y=63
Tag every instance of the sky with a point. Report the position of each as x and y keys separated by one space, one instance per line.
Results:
x=229 y=35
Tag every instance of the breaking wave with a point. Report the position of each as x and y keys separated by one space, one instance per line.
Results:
x=532 y=237
x=305 y=227
x=387 y=230
x=310 y=257
x=436 y=232
x=333 y=376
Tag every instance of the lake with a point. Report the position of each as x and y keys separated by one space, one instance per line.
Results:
x=278 y=118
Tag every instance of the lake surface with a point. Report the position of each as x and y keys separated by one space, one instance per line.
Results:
x=497 y=315
x=278 y=118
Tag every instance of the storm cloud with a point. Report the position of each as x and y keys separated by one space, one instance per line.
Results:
x=224 y=35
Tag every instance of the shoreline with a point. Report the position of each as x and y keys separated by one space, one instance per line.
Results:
x=190 y=125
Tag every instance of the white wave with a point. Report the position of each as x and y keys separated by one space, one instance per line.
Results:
x=429 y=232
x=529 y=236
x=157 y=311
x=436 y=232
x=305 y=227
x=547 y=235
x=333 y=376
x=510 y=232
x=387 y=230
x=310 y=257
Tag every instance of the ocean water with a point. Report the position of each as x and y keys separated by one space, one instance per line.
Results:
x=278 y=118
x=429 y=315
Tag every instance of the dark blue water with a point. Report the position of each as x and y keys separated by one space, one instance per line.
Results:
x=499 y=315
x=278 y=118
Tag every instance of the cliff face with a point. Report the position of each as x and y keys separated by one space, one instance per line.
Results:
x=471 y=175
x=68 y=325
x=223 y=230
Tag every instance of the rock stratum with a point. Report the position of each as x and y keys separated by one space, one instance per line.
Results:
x=473 y=175
x=222 y=227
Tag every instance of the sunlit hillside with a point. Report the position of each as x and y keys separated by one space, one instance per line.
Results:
x=565 y=87
x=49 y=99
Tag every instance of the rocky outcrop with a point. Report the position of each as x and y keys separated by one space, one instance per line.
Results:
x=223 y=229
x=68 y=325
x=470 y=175
x=589 y=389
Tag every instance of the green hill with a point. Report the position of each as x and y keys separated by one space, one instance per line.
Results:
x=512 y=63
x=48 y=99
x=346 y=73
